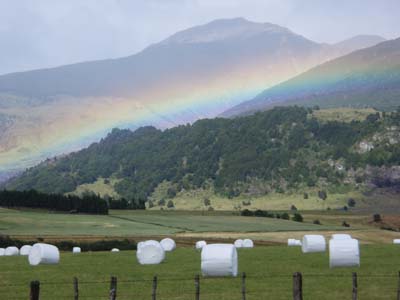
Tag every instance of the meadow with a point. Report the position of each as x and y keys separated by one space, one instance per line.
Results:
x=269 y=275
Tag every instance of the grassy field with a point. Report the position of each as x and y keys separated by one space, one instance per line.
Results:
x=138 y=223
x=269 y=275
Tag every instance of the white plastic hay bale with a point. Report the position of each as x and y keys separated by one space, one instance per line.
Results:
x=150 y=253
x=313 y=243
x=238 y=243
x=344 y=253
x=76 y=250
x=44 y=254
x=11 y=251
x=219 y=260
x=25 y=250
x=168 y=244
x=140 y=244
x=293 y=242
x=114 y=250
x=341 y=236
x=396 y=241
x=200 y=244
x=2 y=251
x=247 y=243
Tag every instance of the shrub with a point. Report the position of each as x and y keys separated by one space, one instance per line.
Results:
x=246 y=202
x=317 y=222
x=161 y=202
x=305 y=196
x=293 y=207
x=377 y=218
x=151 y=204
x=297 y=217
x=207 y=201
x=351 y=202
x=285 y=216
x=345 y=224
x=246 y=213
x=322 y=195
x=210 y=208
x=170 y=204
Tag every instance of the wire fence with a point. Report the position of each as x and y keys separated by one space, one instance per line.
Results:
x=191 y=288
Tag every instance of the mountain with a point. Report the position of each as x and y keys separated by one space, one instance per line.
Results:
x=283 y=150
x=368 y=77
x=199 y=72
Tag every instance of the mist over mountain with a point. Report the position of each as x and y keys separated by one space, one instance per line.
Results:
x=368 y=77
x=197 y=73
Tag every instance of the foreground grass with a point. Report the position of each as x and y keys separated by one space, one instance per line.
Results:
x=269 y=271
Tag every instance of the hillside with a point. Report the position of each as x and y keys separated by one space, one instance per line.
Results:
x=365 y=78
x=280 y=151
x=197 y=73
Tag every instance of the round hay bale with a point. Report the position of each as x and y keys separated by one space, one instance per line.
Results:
x=200 y=244
x=11 y=251
x=114 y=250
x=341 y=236
x=76 y=250
x=140 y=244
x=25 y=250
x=2 y=251
x=313 y=243
x=344 y=253
x=44 y=254
x=150 y=253
x=219 y=260
x=238 y=243
x=396 y=241
x=168 y=244
x=247 y=243
x=293 y=242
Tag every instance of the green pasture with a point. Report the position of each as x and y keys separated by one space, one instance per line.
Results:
x=269 y=275
x=133 y=223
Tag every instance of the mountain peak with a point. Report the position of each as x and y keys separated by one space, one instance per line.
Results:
x=223 y=29
x=360 y=41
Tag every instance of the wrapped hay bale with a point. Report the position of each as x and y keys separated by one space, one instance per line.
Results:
x=219 y=260
x=396 y=241
x=313 y=243
x=341 y=236
x=11 y=251
x=293 y=242
x=247 y=243
x=25 y=250
x=76 y=250
x=168 y=244
x=238 y=243
x=200 y=244
x=44 y=254
x=114 y=250
x=150 y=253
x=344 y=253
x=139 y=245
x=2 y=251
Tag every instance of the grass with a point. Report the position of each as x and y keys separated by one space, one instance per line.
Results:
x=138 y=223
x=269 y=275
x=343 y=114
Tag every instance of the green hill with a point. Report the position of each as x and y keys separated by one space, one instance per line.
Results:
x=282 y=151
x=368 y=77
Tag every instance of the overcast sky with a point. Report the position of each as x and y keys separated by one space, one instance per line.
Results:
x=45 y=33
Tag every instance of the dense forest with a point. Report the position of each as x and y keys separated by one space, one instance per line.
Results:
x=87 y=203
x=286 y=148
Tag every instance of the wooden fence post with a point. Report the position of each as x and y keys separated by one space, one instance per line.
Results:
x=355 y=286
x=297 y=286
x=197 y=286
x=113 y=288
x=76 y=290
x=35 y=290
x=154 y=289
x=243 y=286
x=398 y=288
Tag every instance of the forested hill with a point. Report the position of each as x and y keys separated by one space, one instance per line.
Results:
x=286 y=148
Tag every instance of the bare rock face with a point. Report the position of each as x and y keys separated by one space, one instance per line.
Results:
x=384 y=177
